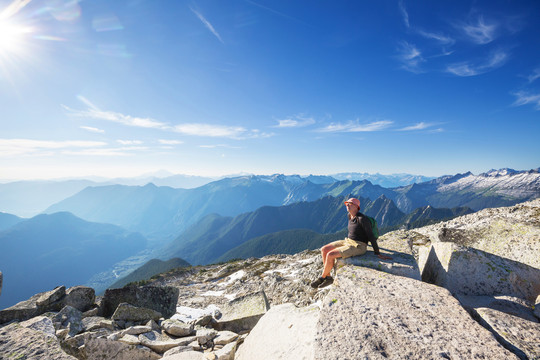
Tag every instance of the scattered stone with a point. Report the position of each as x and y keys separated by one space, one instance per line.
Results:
x=519 y=335
x=160 y=342
x=186 y=355
x=92 y=312
x=62 y=333
x=372 y=314
x=137 y=330
x=49 y=297
x=69 y=318
x=227 y=353
x=127 y=312
x=90 y=346
x=21 y=311
x=243 y=313
x=205 y=335
x=130 y=339
x=225 y=337
x=177 y=328
x=177 y=350
x=284 y=332
x=80 y=297
x=18 y=342
x=40 y=323
x=159 y=298
x=153 y=325
x=94 y=322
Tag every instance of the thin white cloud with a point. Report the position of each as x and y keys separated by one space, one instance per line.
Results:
x=129 y=142
x=219 y=146
x=410 y=57
x=209 y=130
x=296 y=121
x=534 y=76
x=525 y=98
x=404 y=14
x=443 y=39
x=170 y=142
x=479 y=31
x=92 y=129
x=112 y=116
x=11 y=147
x=419 y=126
x=495 y=60
x=355 y=126
x=208 y=25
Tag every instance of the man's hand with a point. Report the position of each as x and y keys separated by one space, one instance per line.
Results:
x=384 y=257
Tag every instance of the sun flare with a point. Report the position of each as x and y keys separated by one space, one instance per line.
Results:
x=12 y=36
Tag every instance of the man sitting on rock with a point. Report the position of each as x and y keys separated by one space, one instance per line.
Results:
x=354 y=244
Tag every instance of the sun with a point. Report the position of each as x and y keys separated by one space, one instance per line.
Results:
x=13 y=37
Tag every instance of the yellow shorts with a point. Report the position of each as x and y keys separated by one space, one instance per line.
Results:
x=348 y=247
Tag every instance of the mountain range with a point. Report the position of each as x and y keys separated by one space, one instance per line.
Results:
x=45 y=251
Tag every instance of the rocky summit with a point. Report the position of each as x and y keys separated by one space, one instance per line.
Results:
x=462 y=289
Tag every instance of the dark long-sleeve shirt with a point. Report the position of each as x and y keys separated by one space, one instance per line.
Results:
x=360 y=230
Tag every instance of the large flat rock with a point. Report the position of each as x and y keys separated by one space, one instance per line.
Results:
x=370 y=314
x=468 y=271
x=19 y=342
x=284 y=332
x=398 y=247
x=243 y=313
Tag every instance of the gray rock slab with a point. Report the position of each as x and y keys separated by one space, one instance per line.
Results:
x=160 y=342
x=375 y=315
x=40 y=323
x=52 y=296
x=468 y=271
x=510 y=232
x=186 y=355
x=227 y=352
x=284 y=332
x=23 y=310
x=225 y=337
x=101 y=348
x=519 y=335
x=18 y=342
x=398 y=247
x=71 y=319
x=243 y=313
x=508 y=304
x=80 y=297
x=162 y=299
x=177 y=328
x=128 y=312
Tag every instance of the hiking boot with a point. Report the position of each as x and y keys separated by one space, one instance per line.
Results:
x=326 y=281
x=317 y=282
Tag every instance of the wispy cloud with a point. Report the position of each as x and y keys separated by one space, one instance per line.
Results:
x=219 y=146
x=479 y=31
x=232 y=132
x=122 y=151
x=525 y=98
x=534 y=76
x=208 y=25
x=443 y=39
x=116 y=117
x=190 y=129
x=410 y=57
x=92 y=129
x=419 y=126
x=495 y=60
x=129 y=142
x=404 y=13
x=11 y=147
x=355 y=126
x=170 y=142
x=295 y=121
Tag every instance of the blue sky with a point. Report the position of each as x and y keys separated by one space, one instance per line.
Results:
x=125 y=87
